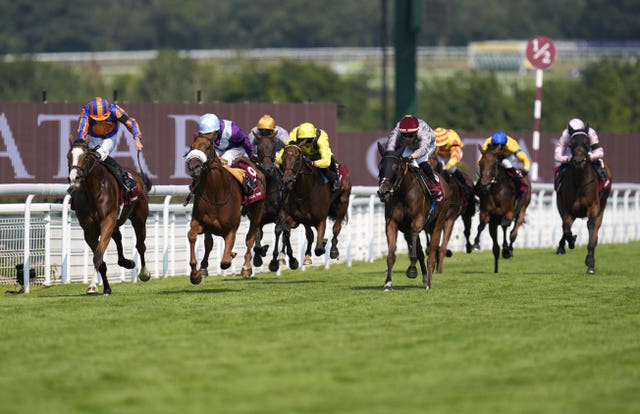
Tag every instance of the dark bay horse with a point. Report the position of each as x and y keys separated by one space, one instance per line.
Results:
x=217 y=208
x=408 y=207
x=499 y=204
x=96 y=200
x=578 y=197
x=308 y=200
x=266 y=147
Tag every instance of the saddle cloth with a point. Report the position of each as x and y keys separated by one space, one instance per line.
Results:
x=238 y=170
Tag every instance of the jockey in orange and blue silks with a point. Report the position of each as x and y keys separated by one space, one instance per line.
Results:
x=98 y=123
x=314 y=142
x=419 y=141
x=562 y=153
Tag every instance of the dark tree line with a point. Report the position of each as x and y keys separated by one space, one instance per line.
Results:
x=27 y=26
x=607 y=93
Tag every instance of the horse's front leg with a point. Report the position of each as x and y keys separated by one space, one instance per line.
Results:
x=476 y=241
x=567 y=223
x=308 y=231
x=507 y=250
x=122 y=260
x=92 y=241
x=107 y=227
x=228 y=255
x=392 y=237
x=493 y=231
x=412 y=241
x=593 y=225
x=249 y=241
x=258 y=250
x=138 y=220
x=192 y=236
x=321 y=242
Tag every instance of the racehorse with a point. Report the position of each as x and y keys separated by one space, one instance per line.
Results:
x=308 y=200
x=499 y=204
x=460 y=205
x=96 y=199
x=408 y=207
x=266 y=147
x=578 y=196
x=217 y=208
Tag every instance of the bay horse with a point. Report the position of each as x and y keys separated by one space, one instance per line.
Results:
x=308 y=200
x=579 y=196
x=217 y=208
x=460 y=205
x=409 y=207
x=266 y=148
x=96 y=200
x=499 y=204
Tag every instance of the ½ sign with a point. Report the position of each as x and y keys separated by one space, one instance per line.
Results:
x=541 y=52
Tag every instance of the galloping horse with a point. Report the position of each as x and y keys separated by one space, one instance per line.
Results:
x=460 y=205
x=308 y=200
x=217 y=208
x=96 y=200
x=266 y=147
x=578 y=196
x=499 y=204
x=408 y=207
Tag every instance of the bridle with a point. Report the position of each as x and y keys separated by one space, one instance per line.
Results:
x=208 y=161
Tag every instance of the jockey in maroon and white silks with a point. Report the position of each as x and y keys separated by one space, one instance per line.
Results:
x=562 y=151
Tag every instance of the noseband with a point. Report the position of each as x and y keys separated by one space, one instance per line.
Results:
x=398 y=177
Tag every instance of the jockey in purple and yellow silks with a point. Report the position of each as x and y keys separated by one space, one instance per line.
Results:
x=98 y=124
x=508 y=150
x=314 y=142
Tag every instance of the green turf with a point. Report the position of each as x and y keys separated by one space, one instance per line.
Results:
x=541 y=336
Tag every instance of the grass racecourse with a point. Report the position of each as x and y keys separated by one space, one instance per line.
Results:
x=541 y=336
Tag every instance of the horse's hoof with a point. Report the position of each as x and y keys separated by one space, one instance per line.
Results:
x=196 y=279
x=469 y=248
x=294 y=264
x=449 y=253
x=144 y=275
x=319 y=252
x=225 y=265
x=387 y=287
x=257 y=260
x=92 y=290
x=307 y=260
x=476 y=246
x=274 y=265
x=233 y=254
x=334 y=253
x=127 y=263
x=427 y=287
x=412 y=272
x=246 y=272
x=591 y=271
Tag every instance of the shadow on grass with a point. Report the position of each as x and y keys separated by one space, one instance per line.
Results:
x=197 y=291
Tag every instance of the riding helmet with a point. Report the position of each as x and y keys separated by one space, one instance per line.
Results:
x=267 y=122
x=306 y=130
x=209 y=123
x=408 y=124
x=99 y=109
x=499 y=138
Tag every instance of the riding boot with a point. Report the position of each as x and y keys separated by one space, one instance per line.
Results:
x=332 y=175
x=557 y=179
x=518 y=180
x=432 y=180
x=248 y=184
x=597 y=165
x=468 y=191
x=123 y=177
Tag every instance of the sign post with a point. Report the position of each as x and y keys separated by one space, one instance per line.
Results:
x=541 y=53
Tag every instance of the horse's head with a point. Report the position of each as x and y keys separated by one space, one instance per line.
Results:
x=579 y=145
x=391 y=171
x=200 y=156
x=293 y=162
x=266 y=147
x=80 y=160
x=488 y=169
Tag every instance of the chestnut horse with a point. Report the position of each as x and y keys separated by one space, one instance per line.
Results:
x=578 y=196
x=217 y=208
x=408 y=207
x=499 y=204
x=96 y=201
x=308 y=200
x=266 y=147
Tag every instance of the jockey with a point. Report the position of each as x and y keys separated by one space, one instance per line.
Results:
x=508 y=150
x=230 y=143
x=99 y=120
x=267 y=127
x=596 y=155
x=419 y=139
x=449 y=151
x=314 y=142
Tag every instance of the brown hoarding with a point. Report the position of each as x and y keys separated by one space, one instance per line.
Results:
x=34 y=140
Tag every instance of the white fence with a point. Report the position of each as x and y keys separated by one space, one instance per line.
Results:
x=46 y=237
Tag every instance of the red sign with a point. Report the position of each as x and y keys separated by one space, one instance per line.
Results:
x=541 y=52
